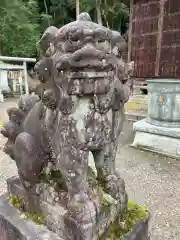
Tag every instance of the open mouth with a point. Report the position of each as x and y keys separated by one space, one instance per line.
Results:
x=89 y=73
x=87 y=81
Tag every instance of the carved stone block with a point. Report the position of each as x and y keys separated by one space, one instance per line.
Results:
x=43 y=200
x=14 y=227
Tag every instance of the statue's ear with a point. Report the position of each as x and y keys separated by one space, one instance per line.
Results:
x=45 y=69
x=48 y=37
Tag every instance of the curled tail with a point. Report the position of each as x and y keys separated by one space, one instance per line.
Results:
x=14 y=126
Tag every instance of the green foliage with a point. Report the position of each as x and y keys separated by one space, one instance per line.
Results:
x=23 y=21
x=19 y=27
x=115 y=14
x=63 y=11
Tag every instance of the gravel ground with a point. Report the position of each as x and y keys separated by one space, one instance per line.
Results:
x=150 y=179
x=7 y=166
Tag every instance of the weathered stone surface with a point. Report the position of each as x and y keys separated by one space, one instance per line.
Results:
x=46 y=202
x=80 y=112
x=14 y=227
x=162 y=140
x=54 y=209
x=140 y=231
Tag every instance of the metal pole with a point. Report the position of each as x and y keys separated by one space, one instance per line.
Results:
x=159 y=38
x=25 y=78
x=77 y=9
x=130 y=40
x=20 y=85
x=18 y=59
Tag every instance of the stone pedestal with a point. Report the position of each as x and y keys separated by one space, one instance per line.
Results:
x=160 y=132
x=14 y=227
x=44 y=201
x=158 y=139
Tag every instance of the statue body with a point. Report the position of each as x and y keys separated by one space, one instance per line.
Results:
x=80 y=111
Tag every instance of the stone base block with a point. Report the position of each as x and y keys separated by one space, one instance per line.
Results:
x=14 y=227
x=158 y=139
x=45 y=201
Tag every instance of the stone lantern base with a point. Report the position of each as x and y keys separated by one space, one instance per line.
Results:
x=163 y=140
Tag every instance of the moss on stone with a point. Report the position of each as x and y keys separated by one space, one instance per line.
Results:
x=14 y=200
x=91 y=174
x=97 y=191
x=33 y=217
x=133 y=214
x=105 y=203
x=45 y=177
x=53 y=177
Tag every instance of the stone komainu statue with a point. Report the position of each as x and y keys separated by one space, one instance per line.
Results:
x=80 y=110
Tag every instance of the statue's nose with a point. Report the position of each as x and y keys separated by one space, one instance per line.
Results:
x=88 y=51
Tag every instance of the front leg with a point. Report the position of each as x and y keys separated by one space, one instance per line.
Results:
x=81 y=216
x=108 y=177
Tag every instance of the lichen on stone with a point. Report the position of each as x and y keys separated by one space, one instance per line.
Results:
x=53 y=177
x=105 y=200
x=33 y=217
x=13 y=200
